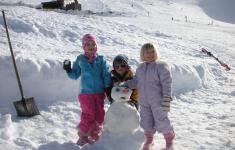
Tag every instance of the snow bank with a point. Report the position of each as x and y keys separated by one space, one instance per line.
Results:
x=45 y=81
x=5 y=127
x=189 y=78
x=185 y=78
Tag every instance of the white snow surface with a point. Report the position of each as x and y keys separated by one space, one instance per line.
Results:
x=203 y=106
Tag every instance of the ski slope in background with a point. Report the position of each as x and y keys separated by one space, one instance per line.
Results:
x=203 y=107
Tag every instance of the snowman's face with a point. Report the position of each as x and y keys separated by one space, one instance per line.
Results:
x=121 y=94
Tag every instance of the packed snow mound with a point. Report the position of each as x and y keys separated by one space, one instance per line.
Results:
x=185 y=78
x=6 y=127
x=188 y=78
x=43 y=79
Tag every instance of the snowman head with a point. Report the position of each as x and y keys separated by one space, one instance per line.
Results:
x=121 y=94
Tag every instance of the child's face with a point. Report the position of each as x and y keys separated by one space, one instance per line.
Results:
x=149 y=55
x=90 y=47
x=120 y=68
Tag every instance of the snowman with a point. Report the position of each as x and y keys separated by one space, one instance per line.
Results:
x=121 y=117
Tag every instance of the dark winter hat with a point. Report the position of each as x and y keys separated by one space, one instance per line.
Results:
x=121 y=58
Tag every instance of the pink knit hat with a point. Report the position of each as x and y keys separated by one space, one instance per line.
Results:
x=86 y=38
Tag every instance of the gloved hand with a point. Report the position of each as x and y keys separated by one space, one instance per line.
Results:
x=110 y=100
x=133 y=103
x=67 y=66
x=165 y=105
x=108 y=94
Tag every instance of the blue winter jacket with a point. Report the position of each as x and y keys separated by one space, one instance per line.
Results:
x=95 y=77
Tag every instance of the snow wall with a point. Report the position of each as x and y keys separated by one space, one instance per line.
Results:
x=47 y=81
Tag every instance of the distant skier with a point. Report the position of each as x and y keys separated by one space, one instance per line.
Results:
x=153 y=81
x=95 y=80
x=186 y=18
x=122 y=72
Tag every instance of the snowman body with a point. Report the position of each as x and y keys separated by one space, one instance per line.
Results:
x=121 y=117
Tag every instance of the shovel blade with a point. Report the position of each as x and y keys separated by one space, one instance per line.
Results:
x=26 y=107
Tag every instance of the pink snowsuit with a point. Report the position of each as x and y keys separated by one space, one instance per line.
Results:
x=153 y=81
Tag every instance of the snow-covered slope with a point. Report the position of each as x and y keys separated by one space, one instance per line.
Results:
x=203 y=108
x=219 y=10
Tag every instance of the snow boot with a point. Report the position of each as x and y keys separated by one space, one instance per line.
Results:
x=169 y=137
x=148 y=144
x=83 y=139
x=95 y=133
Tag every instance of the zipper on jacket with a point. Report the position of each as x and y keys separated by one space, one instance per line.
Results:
x=145 y=72
x=93 y=82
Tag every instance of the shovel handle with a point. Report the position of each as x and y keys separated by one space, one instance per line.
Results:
x=12 y=55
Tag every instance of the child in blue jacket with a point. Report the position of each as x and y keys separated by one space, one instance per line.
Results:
x=95 y=79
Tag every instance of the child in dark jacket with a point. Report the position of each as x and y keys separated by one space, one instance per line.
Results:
x=121 y=72
x=95 y=80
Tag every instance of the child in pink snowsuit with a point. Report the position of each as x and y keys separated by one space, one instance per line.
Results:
x=95 y=80
x=153 y=81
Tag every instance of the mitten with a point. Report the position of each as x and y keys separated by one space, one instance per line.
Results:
x=108 y=94
x=67 y=66
x=165 y=105
x=110 y=100
x=133 y=103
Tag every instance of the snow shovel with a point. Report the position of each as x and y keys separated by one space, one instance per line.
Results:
x=26 y=106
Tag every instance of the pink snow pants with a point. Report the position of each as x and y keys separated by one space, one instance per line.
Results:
x=92 y=106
